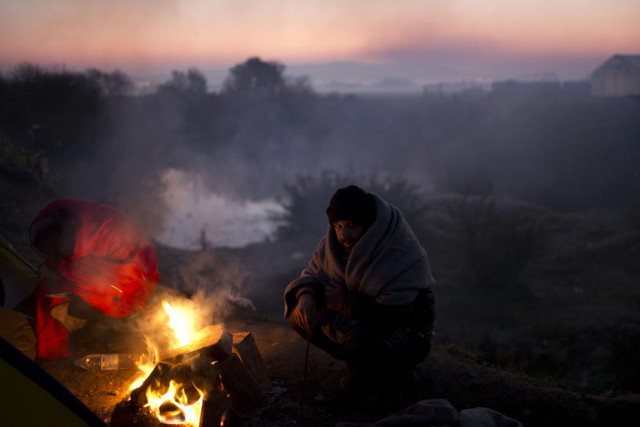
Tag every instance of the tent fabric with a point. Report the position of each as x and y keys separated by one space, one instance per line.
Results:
x=35 y=398
x=18 y=277
x=17 y=329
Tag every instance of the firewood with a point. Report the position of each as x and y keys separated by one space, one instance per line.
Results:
x=218 y=410
x=244 y=346
x=214 y=340
x=244 y=391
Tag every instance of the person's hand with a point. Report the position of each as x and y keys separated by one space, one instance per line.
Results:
x=305 y=311
x=334 y=295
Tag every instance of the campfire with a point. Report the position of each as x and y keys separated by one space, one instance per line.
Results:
x=202 y=377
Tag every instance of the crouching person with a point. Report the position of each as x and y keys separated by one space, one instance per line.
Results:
x=365 y=296
x=99 y=270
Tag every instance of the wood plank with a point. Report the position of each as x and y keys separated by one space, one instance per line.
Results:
x=244 y=346
x=244 y=391
x=214 y=341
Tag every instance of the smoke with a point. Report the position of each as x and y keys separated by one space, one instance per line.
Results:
x=197 y=218
x=172 y=319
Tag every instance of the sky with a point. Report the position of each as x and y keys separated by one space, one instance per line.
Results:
x=421 y=40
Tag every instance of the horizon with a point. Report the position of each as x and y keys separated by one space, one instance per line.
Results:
x=419 y=42
x=334 y=77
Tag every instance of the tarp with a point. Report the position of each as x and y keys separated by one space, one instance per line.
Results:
x=32 y=397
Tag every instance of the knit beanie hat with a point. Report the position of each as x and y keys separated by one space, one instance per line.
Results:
x=352 y=203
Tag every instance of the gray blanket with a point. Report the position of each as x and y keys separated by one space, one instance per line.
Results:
x=387 y=264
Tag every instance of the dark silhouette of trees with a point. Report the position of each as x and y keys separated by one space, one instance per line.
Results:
x=256 y=76
x=187 y=111
x=50 y=111
x=113 y=84
x=186 y=84
x=266 y=78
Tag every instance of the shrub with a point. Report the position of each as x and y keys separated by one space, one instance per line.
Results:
x=495 y=244
x=308 y=196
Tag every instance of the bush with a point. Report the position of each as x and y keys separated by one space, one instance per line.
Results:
x=308 y=196
x=495 y=244
x=23 y=162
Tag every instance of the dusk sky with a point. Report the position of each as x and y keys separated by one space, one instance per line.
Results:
x=423 y=40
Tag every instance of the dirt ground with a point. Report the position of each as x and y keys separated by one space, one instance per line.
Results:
x=446 y=374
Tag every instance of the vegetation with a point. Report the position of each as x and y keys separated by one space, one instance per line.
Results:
x=541 y=285
x=564 y=153
x=306 y=199
x=495 y=245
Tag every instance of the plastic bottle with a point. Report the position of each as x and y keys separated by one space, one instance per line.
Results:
x=107 y=362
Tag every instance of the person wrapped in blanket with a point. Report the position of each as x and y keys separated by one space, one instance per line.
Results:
x=365 y=296
x=99 y=268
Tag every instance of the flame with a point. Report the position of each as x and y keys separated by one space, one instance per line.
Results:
x=145 y=365
x=175 y=406
x=178 y=403
x=182 y=321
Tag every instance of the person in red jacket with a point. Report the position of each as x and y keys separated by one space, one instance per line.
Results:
x=98 y=266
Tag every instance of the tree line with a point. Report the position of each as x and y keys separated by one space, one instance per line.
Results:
x=88 y=134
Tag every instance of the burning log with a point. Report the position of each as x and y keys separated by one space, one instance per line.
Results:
x=211 y=381
x=143 y=409
x=214 y=340
x=189 y=394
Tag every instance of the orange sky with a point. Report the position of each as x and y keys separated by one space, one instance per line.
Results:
x=148 y=34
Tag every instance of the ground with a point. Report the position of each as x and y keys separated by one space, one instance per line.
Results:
x=448 y=373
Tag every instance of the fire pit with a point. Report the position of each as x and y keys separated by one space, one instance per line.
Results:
x=213 y=378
